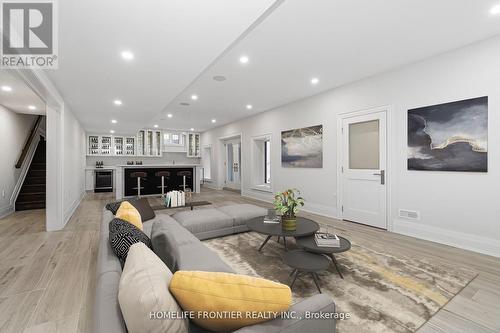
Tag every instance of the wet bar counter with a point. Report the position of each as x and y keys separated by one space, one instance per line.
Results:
x=151 y=183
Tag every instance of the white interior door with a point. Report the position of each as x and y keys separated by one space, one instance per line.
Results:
x=232 y=163
x=364 y=160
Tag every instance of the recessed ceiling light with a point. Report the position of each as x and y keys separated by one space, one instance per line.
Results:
x=127 y=55
x=314 y=81
x=192 y=129
x=113 y=121
x=244 y=59
x=495 y=10
x=214 y=121
x=249 y=106
x=156 y=126
x=6 y=88
x=31 y=107
x=117 y=102
x=194 y=97
x=169 y=115
x=112 y=131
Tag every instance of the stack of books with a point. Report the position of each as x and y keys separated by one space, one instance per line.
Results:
x=175 y=199
x=324 y=239
x=272 y=219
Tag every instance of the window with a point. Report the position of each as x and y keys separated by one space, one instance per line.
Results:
x=206 y=160
x=267 y=162
x=261 y=163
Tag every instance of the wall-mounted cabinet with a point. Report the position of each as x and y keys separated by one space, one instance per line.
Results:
x=146 y=143
x=193 y=145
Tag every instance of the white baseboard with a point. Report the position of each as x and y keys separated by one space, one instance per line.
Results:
x=309 y=207
x=460 y=240
x=71 y=210
x=6 y=210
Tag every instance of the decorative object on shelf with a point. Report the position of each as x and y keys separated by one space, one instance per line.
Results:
x=288 y=203
x=302 y=148
x=449 y=137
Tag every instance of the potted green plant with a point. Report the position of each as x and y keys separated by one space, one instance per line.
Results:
x=288 y=203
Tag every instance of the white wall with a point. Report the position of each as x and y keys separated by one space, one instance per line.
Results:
x=14 y=130
x=456 y=208
x=73 y=151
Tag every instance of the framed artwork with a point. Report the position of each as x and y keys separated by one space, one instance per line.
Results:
x=302 y=148
x=449 y=137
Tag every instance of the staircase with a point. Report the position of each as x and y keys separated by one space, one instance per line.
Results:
x=32 y=194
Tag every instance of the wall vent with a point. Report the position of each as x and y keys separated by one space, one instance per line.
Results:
x=409 y=214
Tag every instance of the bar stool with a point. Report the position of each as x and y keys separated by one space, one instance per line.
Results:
x=163 y=175
x=138 y=175
x=188 y=175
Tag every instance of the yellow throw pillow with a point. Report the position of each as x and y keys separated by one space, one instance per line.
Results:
x=234 y=300
x=128 y=213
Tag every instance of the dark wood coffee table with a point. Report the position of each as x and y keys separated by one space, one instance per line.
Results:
x=187 y=205
x=308 y=244
x=306 y=262
x=305 y=227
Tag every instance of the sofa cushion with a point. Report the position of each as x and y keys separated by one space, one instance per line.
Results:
x=229 y=293
x=122 y=235
x=180 y=249
x=203 y=220
x=167 y=235
x=143 y=207
x=241 y=213
x=129 y=213
x=114 y=206
x=144 y=290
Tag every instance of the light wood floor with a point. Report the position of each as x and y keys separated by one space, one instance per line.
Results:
x=47 y=278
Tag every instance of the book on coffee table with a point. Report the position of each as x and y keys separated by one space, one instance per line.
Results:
x=324 y=239
x=272 y=219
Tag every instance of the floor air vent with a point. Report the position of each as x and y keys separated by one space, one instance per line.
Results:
x=409 y=214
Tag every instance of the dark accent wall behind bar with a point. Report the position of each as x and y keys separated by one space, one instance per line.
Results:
x=151 y=183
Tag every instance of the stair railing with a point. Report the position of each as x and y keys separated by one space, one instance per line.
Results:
x=29 y=141
x=27 y=156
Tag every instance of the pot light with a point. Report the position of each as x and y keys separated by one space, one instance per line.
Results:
x=194 y=97
x=249 y=106
x=495 y=10
x=112 y=131
x=113 y=121
x=169 y=115
x=244 y=59
x=314 y=81
x=117 y=102
x=156 y=126
x=6 y=88
x=32 y=107
x=127 y=55
x=192 y=129
x=214 y=121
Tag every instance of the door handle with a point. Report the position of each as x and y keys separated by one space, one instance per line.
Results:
x=382 y=176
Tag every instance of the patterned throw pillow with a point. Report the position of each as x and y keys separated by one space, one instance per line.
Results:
x=114 y=206
x=122 y=235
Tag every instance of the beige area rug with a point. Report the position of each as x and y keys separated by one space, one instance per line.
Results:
x=382 y=291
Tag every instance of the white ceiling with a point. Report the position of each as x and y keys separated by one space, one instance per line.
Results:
x=20 y=97
x=180 y=45
x=173 y=42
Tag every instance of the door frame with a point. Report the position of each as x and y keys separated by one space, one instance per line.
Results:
x=221 y=170
x=389 y=155
x=232 y=185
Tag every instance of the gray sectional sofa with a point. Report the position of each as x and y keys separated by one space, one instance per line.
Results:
x=176 y=240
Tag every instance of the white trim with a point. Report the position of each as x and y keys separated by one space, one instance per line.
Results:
x=310 y=207
x=262 y=188
x=6 y=211
x=389 y=155
x=460 y=240
x=222 y=169
x=69 y=212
